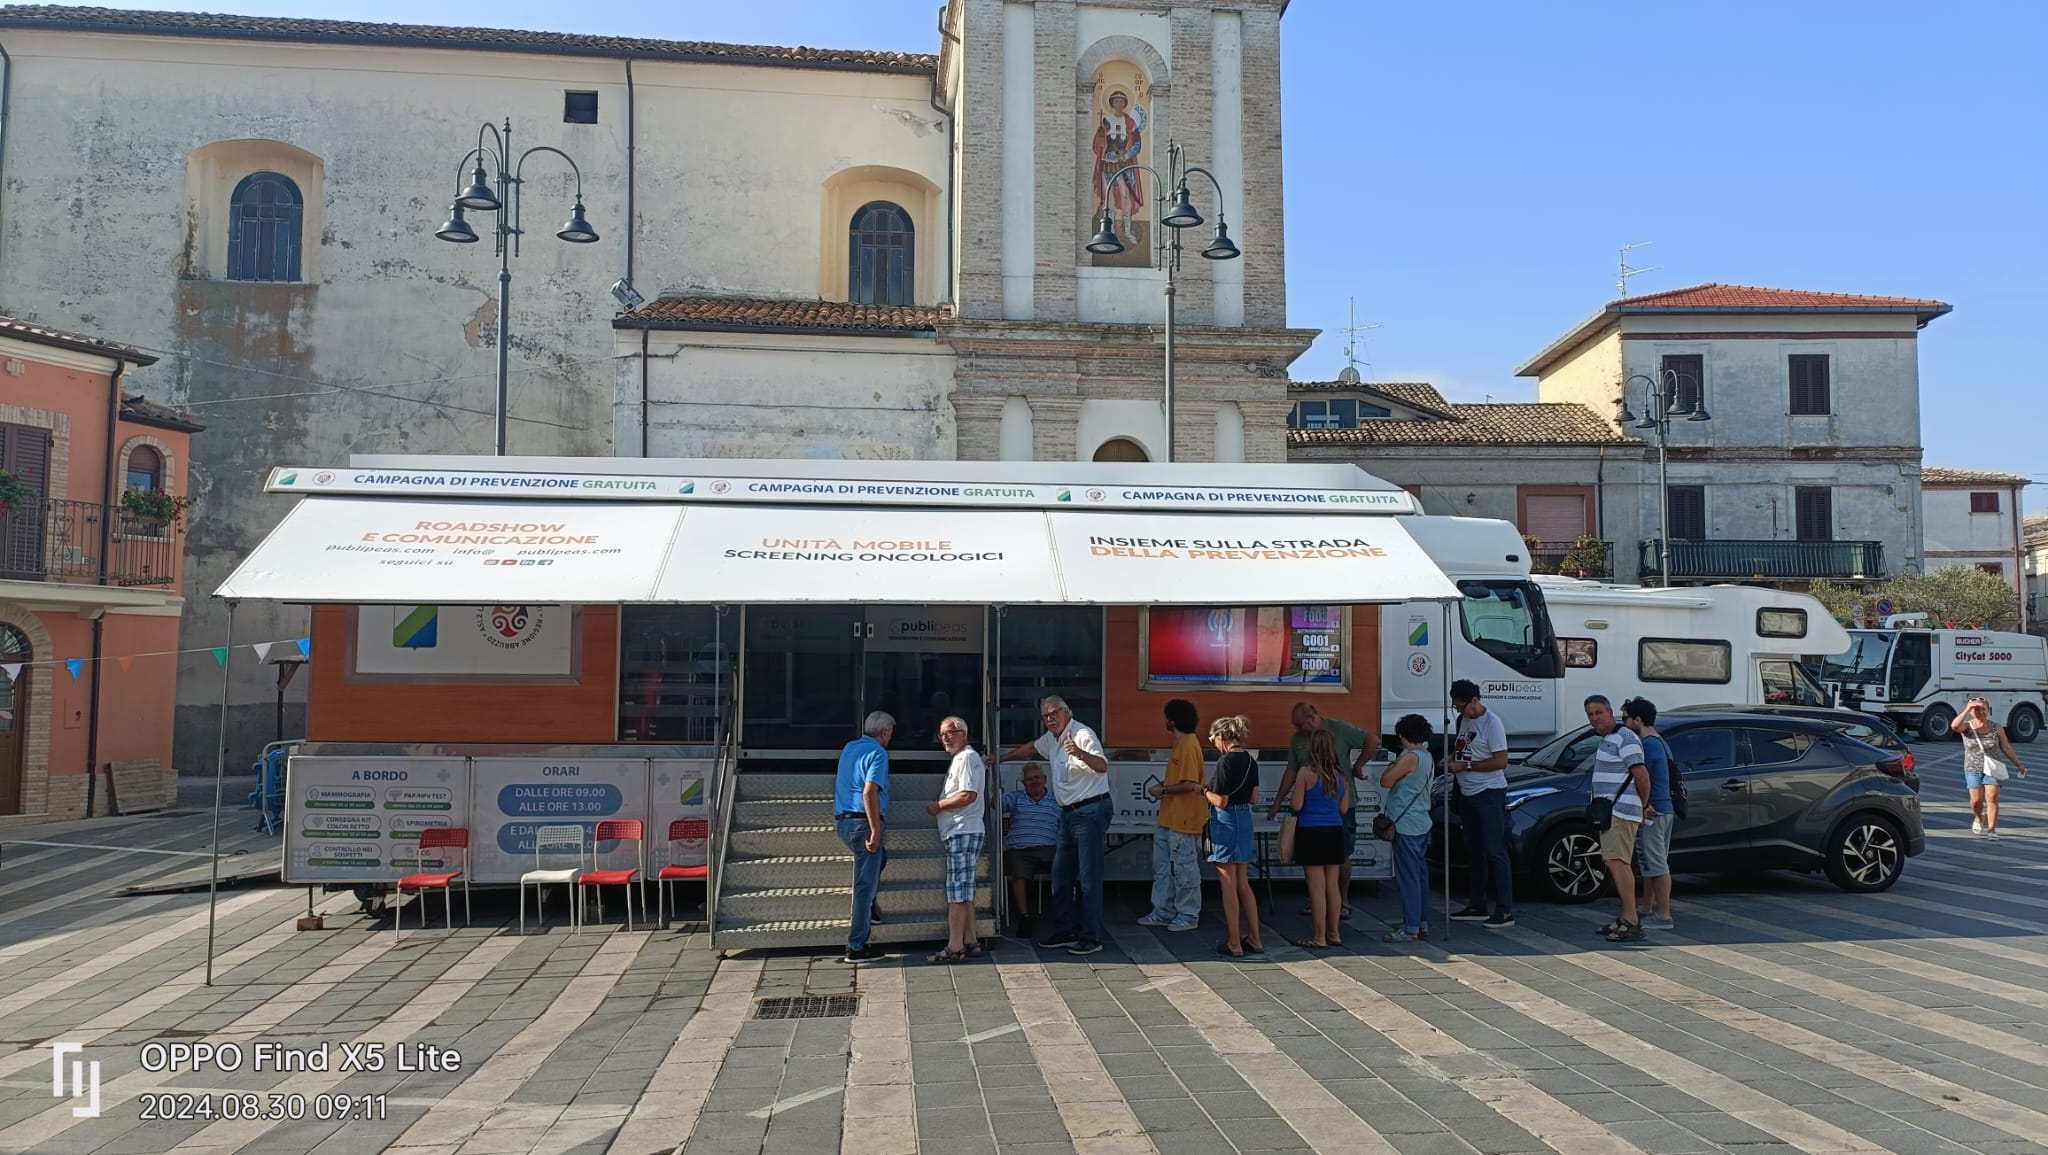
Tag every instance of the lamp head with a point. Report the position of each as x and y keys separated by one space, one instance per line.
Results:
x=1105 y=242
x=478 y=195
x=1181 y=214
x=577 y=231
x=1222 y=248
x=1626 y=415
x=457 y=229
x=1647 y=422
x=1699 y=413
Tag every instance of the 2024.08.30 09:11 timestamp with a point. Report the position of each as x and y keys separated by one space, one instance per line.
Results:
x=182 y=1106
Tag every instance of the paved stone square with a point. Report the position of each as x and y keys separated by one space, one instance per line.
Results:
x=1782 y=1015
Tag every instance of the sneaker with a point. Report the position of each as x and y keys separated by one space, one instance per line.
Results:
x=1178 y=926
x=1399 y=936
x=1471 y=914
x=1992 y=835
x=1501 y=921
x=1658 y=922
x=1056 y=941
x=1153 y=920
x=1976 y=826
x=1085 y=946
x=868 y=953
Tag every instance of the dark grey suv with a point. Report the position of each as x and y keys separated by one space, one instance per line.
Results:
x=1767 y=791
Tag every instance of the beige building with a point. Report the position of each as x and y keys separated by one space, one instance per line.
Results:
x=1973 y=518
x=840 y=252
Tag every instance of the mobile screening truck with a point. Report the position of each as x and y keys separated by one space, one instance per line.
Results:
x=1920 y=678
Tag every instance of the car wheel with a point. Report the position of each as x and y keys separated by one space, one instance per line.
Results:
x=1569 y=868
x=2024 y=725
x=1866 y=855
x=1935 y=722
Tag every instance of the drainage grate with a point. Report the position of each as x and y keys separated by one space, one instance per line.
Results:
x=808 y=1007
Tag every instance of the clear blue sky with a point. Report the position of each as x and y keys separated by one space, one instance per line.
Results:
x=1467 y=171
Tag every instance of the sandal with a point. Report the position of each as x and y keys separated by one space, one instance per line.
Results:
x=945 y=956
x=974 y=949
x=1229 y=949
x=1309 y=944
x=1627 y=932
x=1610 y=928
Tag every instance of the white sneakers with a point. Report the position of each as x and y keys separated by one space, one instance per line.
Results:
x=1658 y=922
x=1976 y=826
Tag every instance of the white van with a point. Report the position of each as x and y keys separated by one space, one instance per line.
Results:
x=1701 y=645
x=1920 y=678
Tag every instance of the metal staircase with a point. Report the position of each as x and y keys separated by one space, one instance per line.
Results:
x=782 y=878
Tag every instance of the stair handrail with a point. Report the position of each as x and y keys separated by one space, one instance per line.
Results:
x=724 y=787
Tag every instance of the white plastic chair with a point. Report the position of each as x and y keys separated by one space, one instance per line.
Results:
x=556 y=839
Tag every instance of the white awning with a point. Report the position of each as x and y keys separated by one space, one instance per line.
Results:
x=395 y=550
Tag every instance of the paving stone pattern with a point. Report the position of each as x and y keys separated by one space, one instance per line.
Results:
x=1782 y=1015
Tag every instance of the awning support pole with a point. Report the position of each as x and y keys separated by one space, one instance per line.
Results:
x=991 y=737
x=220 y=770
x=1450 y=734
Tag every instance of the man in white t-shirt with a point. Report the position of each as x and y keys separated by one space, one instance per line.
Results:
x=1080 y=783
x=1479 y=764
x=1621 y=776
x=959 y=811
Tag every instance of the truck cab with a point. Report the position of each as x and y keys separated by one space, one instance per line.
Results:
x=1921 y=678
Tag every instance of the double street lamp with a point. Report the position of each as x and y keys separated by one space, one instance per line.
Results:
x=1665 y=396
x=1175 y=210
x=494 y=145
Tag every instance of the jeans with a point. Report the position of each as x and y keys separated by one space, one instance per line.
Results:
x=1486 y=839
x=1411 y=878
x=1077 y=869
x=1176 y=875
x=867 y=878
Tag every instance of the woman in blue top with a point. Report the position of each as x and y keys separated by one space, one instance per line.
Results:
x=1320 y=801
x=1407 y=806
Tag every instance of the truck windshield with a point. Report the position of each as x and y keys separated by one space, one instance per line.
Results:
x=1508 y=621
x=1863 y=663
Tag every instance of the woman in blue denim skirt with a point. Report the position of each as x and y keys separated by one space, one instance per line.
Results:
x=1407 y=805
x=1232 y=793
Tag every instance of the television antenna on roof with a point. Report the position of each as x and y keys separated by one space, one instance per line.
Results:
x=1350 y=374
x=1621 y=278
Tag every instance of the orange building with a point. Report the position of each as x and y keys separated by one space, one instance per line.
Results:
x=93 y=499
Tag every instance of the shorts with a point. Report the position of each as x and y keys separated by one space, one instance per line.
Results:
x=1027 y=862
x=963 y=854
x=1978 y=780
x=1230 y=834
x=1618 y=841
x=1653 y=847
x=1350 y=833
x=1319 y=845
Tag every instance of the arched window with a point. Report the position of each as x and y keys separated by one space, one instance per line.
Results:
x=145 y=469
x=14 y=649
x=1120 y=449
x=880 y=265
x=265 y=216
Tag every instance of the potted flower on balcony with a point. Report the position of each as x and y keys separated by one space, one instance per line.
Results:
x=154 y=505
x=12 y=491
x=1586 y=558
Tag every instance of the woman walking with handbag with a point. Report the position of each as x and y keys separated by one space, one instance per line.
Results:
x=1232 y=794
x=1404 y=821
x=1320 y=799
x=1983 y=771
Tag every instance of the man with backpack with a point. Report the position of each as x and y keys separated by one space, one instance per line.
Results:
x=1667 y=799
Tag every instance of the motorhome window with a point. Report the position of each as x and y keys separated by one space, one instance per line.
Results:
x=1703 y=751
x=1507 y=621
x=1244 y=647
x=1787 y=684
x=1780 y=623
x=673 y=661
x=1683 y=660
x=1046 y=650
x=1777 y=747
x=1580 y=653
x=1863 y=663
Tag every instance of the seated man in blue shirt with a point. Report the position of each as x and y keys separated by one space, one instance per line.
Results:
x=1031 y=827
x=860 y=799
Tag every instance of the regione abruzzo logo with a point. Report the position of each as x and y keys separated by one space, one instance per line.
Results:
x=506 y=627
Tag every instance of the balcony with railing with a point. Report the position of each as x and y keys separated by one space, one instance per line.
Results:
x=62 y=541
x=1586 y=558
x=1738 y=560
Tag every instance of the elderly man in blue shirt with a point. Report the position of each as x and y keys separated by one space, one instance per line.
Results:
x=860 y=799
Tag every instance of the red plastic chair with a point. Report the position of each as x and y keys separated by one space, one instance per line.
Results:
x=681 y=830
x=437 y=837
x=618 y=830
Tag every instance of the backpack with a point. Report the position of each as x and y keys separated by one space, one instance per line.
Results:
x=1676 y=777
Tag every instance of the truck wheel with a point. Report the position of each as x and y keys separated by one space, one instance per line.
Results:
x=2024 y=725
x=1866 y=854
x=1934 y=723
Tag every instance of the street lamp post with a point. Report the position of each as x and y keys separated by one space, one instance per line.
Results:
x=1664 y=398
x=1176 y=211
x=504 y=202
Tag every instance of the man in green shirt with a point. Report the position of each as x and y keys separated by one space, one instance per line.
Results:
x=1355 y=746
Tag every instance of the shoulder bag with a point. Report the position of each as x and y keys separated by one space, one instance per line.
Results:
x=1384 y=828
x=1993 y=768
x=1600 y=811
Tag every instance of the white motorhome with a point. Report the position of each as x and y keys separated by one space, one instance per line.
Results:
x=1921 y=678
x=1684 y=647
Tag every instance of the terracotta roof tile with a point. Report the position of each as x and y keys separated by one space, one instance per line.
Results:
x=1413 y=394
x=747 y=313
x=1942 y=475
x=435 y=36
x=79 y=342
x=1532 y=423
x=146 y=412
